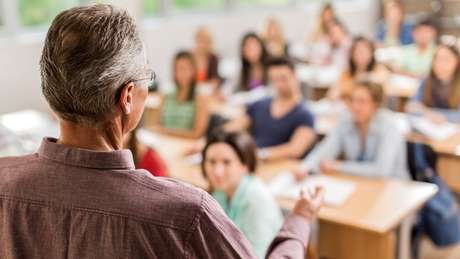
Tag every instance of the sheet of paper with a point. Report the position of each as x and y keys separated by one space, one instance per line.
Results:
x=432 y=130
x=337 y=191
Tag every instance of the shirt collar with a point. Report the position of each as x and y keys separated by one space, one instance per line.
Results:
x=118 y=159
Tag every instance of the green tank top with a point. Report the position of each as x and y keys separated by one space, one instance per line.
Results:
x=178 y=115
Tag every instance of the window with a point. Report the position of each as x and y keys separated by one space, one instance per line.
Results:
x=151 y=7
x=2 y=14
x=264 y=2
x=41 y=12
x=183 y=5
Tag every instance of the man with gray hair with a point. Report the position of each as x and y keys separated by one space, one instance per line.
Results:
x=80 y=196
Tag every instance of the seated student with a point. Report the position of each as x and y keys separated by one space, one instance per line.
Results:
x=253 y=63
x=207 y=61
x=361 y=63
x=336 y=47
x=229 y=162
x=274 y=40
x=144 y=156
x=184 y=112
x=416 y=58
x=438 y=97
x=281 y=126
x=393 y=30
x=327 y=15
x=367 y=138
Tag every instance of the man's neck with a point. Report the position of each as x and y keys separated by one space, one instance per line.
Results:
x=108 y=137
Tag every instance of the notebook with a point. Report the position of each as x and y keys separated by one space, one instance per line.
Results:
x=337 y=191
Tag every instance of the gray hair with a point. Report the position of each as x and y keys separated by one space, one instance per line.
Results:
x=89 y=53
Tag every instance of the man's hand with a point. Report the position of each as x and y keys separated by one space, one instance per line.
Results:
x=309 y=203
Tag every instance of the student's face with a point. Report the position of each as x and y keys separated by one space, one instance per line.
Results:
x=362 y=106
x=283 y=80
x=273 y=30
x=393 y=13
x=336 y=33
x=223 y=167
x=424 y=35
x=203 y=41
x=444 y=64
x=185 y=72
x=362 y=54
x=328 y=15
x=252 y=50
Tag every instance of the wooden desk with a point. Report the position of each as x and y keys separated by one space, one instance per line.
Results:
x=362 y=228
x=449 y=160
x=365 y=226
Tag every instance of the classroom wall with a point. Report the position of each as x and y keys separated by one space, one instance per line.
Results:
x=19 y=55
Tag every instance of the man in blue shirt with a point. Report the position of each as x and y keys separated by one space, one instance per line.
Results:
x=281 y=125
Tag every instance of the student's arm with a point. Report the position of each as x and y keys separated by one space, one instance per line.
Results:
x=240 y=123
x=389 y=150
x=416 y=106
x=300 y=141
x=328 y=149
x=200 y=123
x=449 y=115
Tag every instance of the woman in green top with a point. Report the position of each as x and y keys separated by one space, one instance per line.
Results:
x=229 y=160
x=184 y=113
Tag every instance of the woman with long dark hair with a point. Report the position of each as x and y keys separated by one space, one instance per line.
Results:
x=184 y=112
x=438 y=97
x=254 y=56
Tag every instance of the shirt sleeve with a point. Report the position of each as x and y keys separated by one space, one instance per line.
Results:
x=292 y=240
x=305 y=118
x=451 y=115
x=328 y=149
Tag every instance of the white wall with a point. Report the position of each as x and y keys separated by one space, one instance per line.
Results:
x=19 y=55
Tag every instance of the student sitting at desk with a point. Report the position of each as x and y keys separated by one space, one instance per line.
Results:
x=229 y=162
x=368 y=139
x=254 y=56
x=361 y=63
x=415 y=59
x=207 y=61
x=274 y=40
x=327 y=15
x=334 y=51
x=282 y=126
x=184 y=112
x=438 y=97
x=393 y=30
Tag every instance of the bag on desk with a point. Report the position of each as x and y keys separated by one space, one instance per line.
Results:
x=439 y=218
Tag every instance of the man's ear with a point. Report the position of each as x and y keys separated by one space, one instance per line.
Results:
x=126 y=98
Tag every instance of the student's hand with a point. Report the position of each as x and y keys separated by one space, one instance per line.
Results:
x=436 y=118
x=301 y=173
x=309 y=203
x=329 y=166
